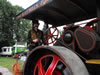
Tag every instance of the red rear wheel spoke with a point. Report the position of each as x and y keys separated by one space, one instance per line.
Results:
x=41 y=69
x=47 y=40
x=50 y=30
x=55 y=35
x=52 y=66
x=54 y=31
x=46 y=35
x=51 y=39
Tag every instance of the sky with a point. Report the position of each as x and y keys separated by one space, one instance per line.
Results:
x=23 y=3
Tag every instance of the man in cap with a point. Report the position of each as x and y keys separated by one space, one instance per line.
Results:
x=35 y=36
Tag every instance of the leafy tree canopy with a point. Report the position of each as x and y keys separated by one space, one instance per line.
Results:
x=12 y=30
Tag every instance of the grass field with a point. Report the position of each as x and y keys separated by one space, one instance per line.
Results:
x=8 y=62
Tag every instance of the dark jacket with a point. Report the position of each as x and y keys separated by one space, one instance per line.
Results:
x=35 y=35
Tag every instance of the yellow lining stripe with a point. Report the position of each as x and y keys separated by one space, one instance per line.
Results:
x=93 y=61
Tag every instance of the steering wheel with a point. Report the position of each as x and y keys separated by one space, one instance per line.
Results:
x=16 y=69
x=93 y=25
x=52 y=35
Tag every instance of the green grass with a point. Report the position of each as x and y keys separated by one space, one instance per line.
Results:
x=8 y=62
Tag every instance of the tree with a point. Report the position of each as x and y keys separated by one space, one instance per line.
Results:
x=10 y=28
x=22 y=27
x=7 y=12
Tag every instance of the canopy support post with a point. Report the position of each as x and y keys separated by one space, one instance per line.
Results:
x=98 y=13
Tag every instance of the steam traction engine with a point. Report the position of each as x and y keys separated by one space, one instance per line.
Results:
x=77 y=51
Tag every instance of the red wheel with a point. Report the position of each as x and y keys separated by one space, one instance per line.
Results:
x=51 y=65
x=52 y=36
x=16 y=69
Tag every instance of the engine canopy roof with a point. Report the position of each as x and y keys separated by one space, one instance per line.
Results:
x=60 y=12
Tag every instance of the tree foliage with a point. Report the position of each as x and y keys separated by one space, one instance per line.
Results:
x=21 y=27
x=12 y=30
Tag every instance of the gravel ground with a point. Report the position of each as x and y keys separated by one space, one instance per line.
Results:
x=5 y=71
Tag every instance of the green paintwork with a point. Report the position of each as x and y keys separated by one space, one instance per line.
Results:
x=18 y=49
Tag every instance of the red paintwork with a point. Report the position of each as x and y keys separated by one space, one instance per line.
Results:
x=89 y=28
x=51 y=69
x=51 y=36
x=16 y=69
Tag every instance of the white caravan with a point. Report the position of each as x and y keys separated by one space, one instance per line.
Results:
x=6 y=51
